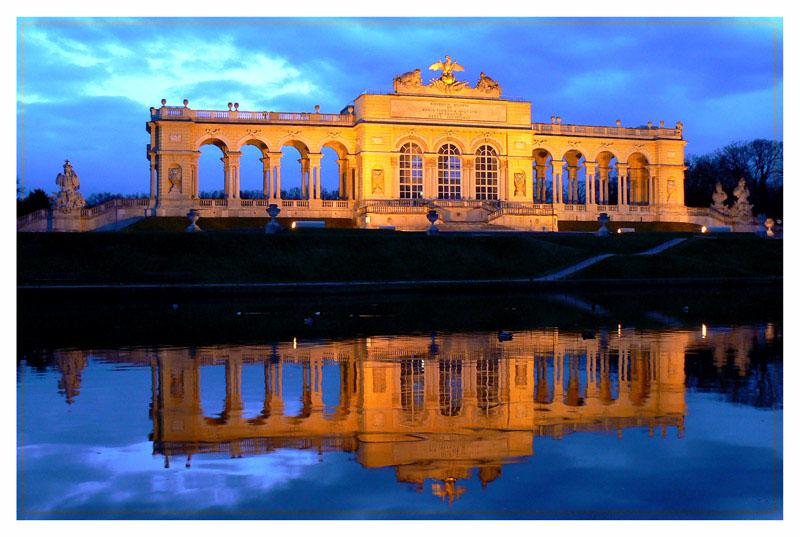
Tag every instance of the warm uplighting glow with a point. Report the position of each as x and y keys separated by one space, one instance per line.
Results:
x=294 y=225
x=619 y=330
x=619 y=230
x=703 y=229
x=704 y=330
x=294 y=342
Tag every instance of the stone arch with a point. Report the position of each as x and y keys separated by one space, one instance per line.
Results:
x=338 y=144
x=214 y=139
x=572 y=150
x=487 y=139
x=634 y=150
x=544 y=147
x=254 y=141
x=574 y=179
x=403 y=139
x=450 y=139
x=298 y=142
x=541 y=168
x=605 y=154
x=639 y=181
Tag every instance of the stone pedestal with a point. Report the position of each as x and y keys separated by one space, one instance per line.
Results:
x=603 y=231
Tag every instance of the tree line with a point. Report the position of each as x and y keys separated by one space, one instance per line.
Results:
x=758 y=162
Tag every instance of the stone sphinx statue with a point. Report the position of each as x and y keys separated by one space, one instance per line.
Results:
x=719 y=197
x=487 y=84
x=68 y=199
x=742 y=209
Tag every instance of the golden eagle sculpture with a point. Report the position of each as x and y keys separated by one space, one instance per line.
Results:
x=447 y=69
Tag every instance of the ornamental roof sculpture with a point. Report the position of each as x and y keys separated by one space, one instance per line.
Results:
x=446 y=83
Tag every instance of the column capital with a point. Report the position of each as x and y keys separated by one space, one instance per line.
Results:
x=555 y=162
x=276 y=156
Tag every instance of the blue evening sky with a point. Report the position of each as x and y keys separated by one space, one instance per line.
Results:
x=88 y=87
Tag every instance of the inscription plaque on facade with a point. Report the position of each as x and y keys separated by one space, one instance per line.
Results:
x=448 y=110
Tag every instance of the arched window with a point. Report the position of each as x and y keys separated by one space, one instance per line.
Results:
x=486 y=173
x=449 y=173
x=410 y=171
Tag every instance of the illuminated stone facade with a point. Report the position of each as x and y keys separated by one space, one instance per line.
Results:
x=470 y=153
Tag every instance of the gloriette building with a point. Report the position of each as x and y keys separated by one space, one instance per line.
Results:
x=464 y=150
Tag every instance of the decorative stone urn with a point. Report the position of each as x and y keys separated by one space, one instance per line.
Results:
x=603 y=219
x=769 y=223
x=432 y=216
x=194 y=216
x=273 y=226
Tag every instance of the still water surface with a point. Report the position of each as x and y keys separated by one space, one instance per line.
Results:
x=578 y=417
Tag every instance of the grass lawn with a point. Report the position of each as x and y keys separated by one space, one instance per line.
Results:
x=341 y=254
x=725 y=256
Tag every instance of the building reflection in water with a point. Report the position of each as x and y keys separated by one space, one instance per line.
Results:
x=433 y=407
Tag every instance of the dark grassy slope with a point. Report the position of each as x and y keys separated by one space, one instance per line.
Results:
x=726 y=256
x=358 y=255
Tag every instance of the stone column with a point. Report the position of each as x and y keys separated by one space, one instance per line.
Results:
x=342 y=162
x=228 y=184
x=267 y=186
x=622 y=183
x=468 y=178
x=303 y=182
x=275 y=175
x=502 y=193
x=589 y=168
x=558 y=169
x=231 y=161
x=541 y=183
x=652 y=191
x=572 y=184
x=315 y=175
x=153 y=186
x=603 y=172
x=195 y=167
x=430 y=189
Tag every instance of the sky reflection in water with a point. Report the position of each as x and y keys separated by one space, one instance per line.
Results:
x=557 y=422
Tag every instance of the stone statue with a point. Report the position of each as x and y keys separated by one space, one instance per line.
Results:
x=519 y=183
x=412 y=79
x=175 y=180
x=719 y=198
x=377 y=181
x=741 y=208
x=447 y=69
x=486 y=84
x=447 y=80
x=670 y=189
x=68 y=199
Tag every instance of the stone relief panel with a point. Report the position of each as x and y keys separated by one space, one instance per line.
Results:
x=378 y=186
x=519 y=183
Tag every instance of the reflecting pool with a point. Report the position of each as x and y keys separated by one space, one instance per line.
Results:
x=539 y=406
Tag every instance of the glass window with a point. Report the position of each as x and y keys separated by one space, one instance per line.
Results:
x=486 y=173
x=449 y=173
x=410 y=171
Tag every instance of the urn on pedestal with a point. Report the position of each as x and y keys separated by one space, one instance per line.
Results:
x=273 y=226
